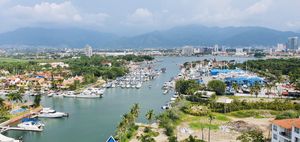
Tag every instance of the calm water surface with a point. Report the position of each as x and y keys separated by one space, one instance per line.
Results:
x=94 y=120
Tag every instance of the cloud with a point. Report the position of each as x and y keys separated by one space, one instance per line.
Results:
x=141 y=16
x=64 y=13
x=259 y=7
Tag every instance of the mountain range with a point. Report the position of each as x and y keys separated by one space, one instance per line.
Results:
x=175 y=37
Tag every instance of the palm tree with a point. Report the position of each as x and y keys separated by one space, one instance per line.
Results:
x=269 y=88
x=37 y=100
x=1 y=102
x=150 y=115
x=235 y=86
x=211 y=118
x=15 y=97
x=135 y=110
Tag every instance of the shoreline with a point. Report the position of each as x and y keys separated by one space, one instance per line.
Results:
x=20 y=117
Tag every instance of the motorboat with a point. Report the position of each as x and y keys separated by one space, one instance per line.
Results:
x=90 y=95
x=7 y=139
x=167 y=106
x=53 y=115
x=47 y=110
x=139 y=85
x=166 y=91
x=31 y=124
x=173 y=99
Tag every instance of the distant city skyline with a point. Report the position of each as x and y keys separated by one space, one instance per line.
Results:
x=135 y=17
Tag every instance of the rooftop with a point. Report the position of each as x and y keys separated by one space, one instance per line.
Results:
x=287 y=123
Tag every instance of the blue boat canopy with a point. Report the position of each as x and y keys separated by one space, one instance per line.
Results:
x=111 y=139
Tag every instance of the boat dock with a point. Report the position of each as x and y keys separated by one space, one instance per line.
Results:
x=7 y=128
x=18 y=118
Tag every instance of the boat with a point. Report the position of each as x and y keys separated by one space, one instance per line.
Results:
x=166 y=91
x=50 y=94
x=47 y=110
x=7 y=139
x=90 y=95
x=31 y=124
x=51 y=113
x=70 y=94
x=175 y=96
x=167 y=106
x=173 y=99
x=139 y=85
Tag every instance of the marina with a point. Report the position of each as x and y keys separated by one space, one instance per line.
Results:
x=101 y=116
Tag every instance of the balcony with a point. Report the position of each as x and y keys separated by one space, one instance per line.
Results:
x=287 y=135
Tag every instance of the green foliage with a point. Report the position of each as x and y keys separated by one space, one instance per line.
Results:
x=187 y=87
x=259 y=55
x=172 y=139
x=150 y=115
x=196 y=110
x=274 y=68
x=218 y=86
x=288 y=115
x=251 y=136
x=37 y=100
x=198 y=126
x=192 y=139
x=127 y=127
x=167 y=120
x=236 y=105
x=17 y=97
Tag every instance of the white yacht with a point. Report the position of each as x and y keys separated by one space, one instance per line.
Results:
x=31 y=124
x=139 y=85
x=166 y=91
x=51 y=113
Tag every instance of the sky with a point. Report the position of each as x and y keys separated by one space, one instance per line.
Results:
x=139 y=16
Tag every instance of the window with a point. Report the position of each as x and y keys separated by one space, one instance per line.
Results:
x=274 y=136
x=297 y=130
x=274 y=127
x=297 y=139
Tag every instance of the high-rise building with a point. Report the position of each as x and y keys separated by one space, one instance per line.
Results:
x=88 y=51
x=187 y=51
x=293 y=43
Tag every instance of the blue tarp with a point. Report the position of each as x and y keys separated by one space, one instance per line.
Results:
x=217 y=71
x=249 y=81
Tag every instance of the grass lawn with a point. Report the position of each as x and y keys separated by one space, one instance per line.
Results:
x=198 y=125
x=253 y=113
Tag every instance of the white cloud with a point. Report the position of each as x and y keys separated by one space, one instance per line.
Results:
x=259 y=7
x=141 y=16
x=64 y=13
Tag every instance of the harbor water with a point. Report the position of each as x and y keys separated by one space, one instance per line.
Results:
x=94 y=120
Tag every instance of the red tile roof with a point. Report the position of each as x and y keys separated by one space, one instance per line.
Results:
x=287 y=123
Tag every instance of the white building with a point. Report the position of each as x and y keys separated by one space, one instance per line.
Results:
x=240 y=52
x=187 y=51
x=88 y=51
x=286 y=130
x=280 y=47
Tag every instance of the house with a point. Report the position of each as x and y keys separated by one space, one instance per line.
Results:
x=286 y=130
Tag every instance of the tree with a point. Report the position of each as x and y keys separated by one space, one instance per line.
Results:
x=255 y=89
x=1 y=102
x=218 y=86
x=146 y=138
x=192 y=139
x=15 y=97
x=37 y=100
x=297 y=85
x=211 y=118
x=235 y=86
x=187 y=87
x=150 y=115
x=251 y=136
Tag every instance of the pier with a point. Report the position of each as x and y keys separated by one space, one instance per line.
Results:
x=7 y=128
